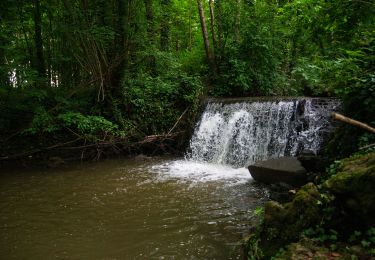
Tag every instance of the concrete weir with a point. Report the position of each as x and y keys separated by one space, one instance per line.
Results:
x=240 y=131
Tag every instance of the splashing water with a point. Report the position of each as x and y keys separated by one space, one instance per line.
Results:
x=240 y=134
x=235 y=135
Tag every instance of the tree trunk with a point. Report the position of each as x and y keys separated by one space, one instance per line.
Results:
x=39 y=61
x=4 y=77
x=204 y=33
x=212 y=20
x=116 y=72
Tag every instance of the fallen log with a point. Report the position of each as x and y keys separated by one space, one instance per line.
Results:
x=350 y=121
x=367 y=146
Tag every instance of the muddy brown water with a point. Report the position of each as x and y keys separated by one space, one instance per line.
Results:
x=126 y=209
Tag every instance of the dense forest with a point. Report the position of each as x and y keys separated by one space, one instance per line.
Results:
x=79 y=74
x=90 y=79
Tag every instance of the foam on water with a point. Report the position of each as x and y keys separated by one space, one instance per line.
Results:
x=239 y=134
x=197 y=172
x=229 y=137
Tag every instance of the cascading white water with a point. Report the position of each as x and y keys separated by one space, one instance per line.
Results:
x=239 y=134
x=231 y=136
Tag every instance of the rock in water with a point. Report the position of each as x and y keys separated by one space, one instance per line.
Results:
x=285 y=169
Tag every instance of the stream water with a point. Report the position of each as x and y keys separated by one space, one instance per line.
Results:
x=127 y=209
x=194 y=208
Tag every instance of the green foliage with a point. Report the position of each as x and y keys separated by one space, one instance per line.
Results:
x=86 y=127
x=42 y=122
x=321 y=235
x=105 y=68
x=250 y=66
x=91 y=127
x=253 y=249
x=332 y=170
x=259 y=212
x=157 y=101
x=366 y=239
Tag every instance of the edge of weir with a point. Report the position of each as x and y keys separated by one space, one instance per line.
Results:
x=262 y=99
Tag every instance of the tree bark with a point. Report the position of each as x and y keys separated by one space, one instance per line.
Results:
x=212 y=22
x=350 y=121
x=205 y=34
x=4 y=77
x=39 y=61
x=118 y=63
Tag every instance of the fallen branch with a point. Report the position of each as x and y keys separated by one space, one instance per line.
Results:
x=178 y=120
x=154 y=138
x=367 y=146
x=20 y=155
x=350 y=121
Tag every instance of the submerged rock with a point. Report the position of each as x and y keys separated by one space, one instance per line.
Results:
x=55 y=161
x=281 y=192
x=142 y=157
x=285 y=169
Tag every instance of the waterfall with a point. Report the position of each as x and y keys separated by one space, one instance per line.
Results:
x=240 y=133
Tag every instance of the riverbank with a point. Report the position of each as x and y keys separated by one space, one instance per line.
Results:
x=334 y=219
x=56 y=152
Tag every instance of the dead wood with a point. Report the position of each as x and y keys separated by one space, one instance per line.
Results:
x=350 y=121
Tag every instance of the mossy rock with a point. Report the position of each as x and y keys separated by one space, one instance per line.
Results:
x=353 y=186
x=284 y=223
x=344 y=203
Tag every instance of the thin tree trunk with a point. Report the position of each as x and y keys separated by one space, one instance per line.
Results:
x=50 y=49
x=212 y=20
x=204 y=32
x=116 y=69
x=39 y=62
x=4 y=77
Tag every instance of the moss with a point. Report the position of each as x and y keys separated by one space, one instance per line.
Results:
x=344 y=203
x=283 y=224
x=353 y=186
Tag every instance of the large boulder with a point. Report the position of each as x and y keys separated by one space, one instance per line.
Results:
x=284 y=223
x=353 y=187
x=285 y=169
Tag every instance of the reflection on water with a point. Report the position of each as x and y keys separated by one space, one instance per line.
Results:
x=124 y=209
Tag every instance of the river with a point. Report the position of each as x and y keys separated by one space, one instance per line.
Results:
x=160 y=208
